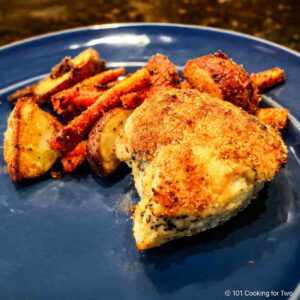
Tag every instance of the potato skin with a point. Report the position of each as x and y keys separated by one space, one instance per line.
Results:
x=64 y=75
x=100 y=148
x=218 y=75
x=27 y=149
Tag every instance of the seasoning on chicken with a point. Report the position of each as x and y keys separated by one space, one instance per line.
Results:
x=196 y=160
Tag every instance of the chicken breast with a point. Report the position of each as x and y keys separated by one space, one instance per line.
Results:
x=197 y=161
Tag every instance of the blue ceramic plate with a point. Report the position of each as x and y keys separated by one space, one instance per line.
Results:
x=72 y=239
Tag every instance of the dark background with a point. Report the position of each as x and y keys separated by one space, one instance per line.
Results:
x=275 y=20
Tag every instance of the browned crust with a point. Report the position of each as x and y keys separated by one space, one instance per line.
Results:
x=79 y=72
x=25 y=92
x=172 y=116
x=232 y=82
x=179 y=133
x=16 y=124
x=275 y=117
x=183 y=183
x=61 y=68
x=163 y=73
x=15 y=164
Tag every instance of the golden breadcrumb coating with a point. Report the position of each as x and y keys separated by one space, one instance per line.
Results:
x=197 y=161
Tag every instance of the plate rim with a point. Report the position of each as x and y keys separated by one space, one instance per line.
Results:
x=148 y=24
x=43 y=37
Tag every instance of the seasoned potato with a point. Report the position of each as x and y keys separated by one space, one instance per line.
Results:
x=64 y=75
x=27 y=150
x=276 y=117
x=268 y=78
x=100 y=149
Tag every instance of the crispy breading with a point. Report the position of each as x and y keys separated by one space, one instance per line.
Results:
x=188 y=188
x=195 y=157
x=171 y=116
x=27 y=150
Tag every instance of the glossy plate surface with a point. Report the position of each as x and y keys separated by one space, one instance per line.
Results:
x=71 y=238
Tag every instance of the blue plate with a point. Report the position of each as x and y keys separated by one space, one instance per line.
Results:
x=72 y=239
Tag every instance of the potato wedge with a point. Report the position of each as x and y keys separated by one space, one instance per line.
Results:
x=100 y=149
x=185 y=85
x=275 y=117
x=64 y=75
x=27 y=149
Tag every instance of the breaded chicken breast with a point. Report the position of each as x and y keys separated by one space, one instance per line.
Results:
x=197 y=161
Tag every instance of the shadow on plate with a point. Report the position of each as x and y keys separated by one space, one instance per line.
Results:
x=118 y=175
x=241 y=242
x=71 y=190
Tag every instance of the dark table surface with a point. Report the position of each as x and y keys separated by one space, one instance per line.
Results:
x=274 y=20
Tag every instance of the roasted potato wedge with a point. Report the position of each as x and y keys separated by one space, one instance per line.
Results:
x=100 y=149
x=27 y=149
x=275 y=117
x=64 y=75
